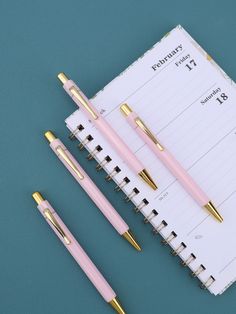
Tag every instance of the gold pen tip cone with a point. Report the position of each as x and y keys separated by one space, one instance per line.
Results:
x=63 y=78
x=147 y=178
x=213 y=211
x=116 y=306
x=125 y=109
x=37 y=197
x=50 y=136
x=130 y=238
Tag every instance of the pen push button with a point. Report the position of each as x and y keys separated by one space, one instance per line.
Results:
x=60 y=150
x=77 y=94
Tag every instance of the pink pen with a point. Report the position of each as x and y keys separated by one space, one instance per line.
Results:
x=91 y=189
x=77 y=252
x=169 y=161
x=122 y=149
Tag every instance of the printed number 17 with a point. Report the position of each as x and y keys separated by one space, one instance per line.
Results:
x=191 y=64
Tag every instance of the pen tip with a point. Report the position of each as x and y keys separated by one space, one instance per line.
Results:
x=213 y=211
x=130 y=238
x=117 y=306
x=147 y=178
x=63 y=78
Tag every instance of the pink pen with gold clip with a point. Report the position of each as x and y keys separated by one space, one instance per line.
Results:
x=119 y=145
x=169 y=161
x=91 y=189
x=77 y=252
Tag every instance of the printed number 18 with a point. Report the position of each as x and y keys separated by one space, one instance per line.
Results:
x=223 y=97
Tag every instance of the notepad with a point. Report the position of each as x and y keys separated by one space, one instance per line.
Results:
x=190 y=104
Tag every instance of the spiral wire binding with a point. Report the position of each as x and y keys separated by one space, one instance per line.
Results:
x=169 y=238
x=122 y=184
x=131 y=195
x=189 y=260
x=179 y=249
x=101 y=165
x=141 y=205
x=72 y=135
x=149 y=217
x=158 y=229
x=138 y=208
x=96 y=150
x=208 y=283
x=198 y=271
x=87 y=139
x=111 y=175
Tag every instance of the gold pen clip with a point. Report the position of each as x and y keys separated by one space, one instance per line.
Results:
x=67 y=159
x=80 y=98
x=145 y=129
x=55 y=224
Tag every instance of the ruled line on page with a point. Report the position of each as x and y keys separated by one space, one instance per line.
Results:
x=227 y=265
x=177 y=116
x=140 y=87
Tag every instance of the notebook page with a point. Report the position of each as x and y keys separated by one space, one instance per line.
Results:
x=189 y=103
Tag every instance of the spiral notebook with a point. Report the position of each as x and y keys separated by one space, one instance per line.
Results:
x=190 y=104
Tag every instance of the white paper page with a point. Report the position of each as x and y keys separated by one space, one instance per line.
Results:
x=190 y=105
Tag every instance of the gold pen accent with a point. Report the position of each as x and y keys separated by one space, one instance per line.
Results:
x=147 y=178
x=146 y=130
x=126 y=110
x=48 y=214
x=77 y=94
x=213 y=211
x=67 y=159
x=51 y=137
x=56 y=225
x=130 y=238
x=116 y=306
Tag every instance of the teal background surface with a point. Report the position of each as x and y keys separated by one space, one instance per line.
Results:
x=92 y=41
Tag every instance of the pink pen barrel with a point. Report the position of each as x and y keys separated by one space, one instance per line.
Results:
x=183 y=177
x=121 y=148
x=105 y=128
x=80 y=255
x=92 y=190
x=172 y=164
